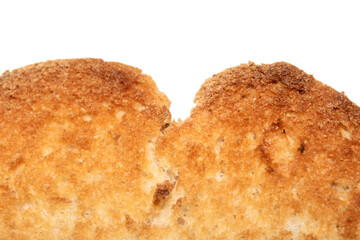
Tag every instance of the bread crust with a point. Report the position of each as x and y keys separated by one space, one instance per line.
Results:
x=267 y=153
x=87 y=152
x=75 y=147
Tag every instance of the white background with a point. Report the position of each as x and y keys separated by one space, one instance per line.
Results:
x=181 y=43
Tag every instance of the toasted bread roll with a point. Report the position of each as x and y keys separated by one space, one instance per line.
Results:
x=76 y=145
x=87 y=151
x=267 y=153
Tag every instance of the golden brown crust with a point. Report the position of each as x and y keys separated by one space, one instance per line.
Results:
x=87 y=153
x=75 y=145
x=270 y=153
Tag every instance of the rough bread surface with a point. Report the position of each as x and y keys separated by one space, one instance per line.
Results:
x=76 y=142
x=87 y=152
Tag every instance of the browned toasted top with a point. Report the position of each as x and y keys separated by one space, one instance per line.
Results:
x=86 y=153
x=75 y=149
x=267 y=153
x=83 y=81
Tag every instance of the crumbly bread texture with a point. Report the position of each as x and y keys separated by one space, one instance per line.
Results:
x=87 y=151
x=75 y=144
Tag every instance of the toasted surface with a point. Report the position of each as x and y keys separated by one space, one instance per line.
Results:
x=75 y=144
x=86 y=153
x=267 y=153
